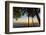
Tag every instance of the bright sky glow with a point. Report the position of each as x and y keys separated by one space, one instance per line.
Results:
x=24 y=19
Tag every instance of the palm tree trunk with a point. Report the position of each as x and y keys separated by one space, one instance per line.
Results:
x=38 y=18
x=32 y=19
x=32 y=22
x=28 y=20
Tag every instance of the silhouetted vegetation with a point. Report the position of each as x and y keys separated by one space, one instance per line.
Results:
x=31 y=12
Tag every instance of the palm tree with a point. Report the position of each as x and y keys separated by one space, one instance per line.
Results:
x=37 y=12
x=31 y=12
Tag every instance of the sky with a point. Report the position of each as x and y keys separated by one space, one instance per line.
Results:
x=24 y=19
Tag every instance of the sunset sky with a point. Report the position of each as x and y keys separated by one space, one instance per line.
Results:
x=24 y=19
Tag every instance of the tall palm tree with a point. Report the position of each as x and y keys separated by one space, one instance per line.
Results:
x=31 y=12
x=37 y=12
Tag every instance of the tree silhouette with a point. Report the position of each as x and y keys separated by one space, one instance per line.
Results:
x=37 y=12
x=31 y=12
x=16 y=13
